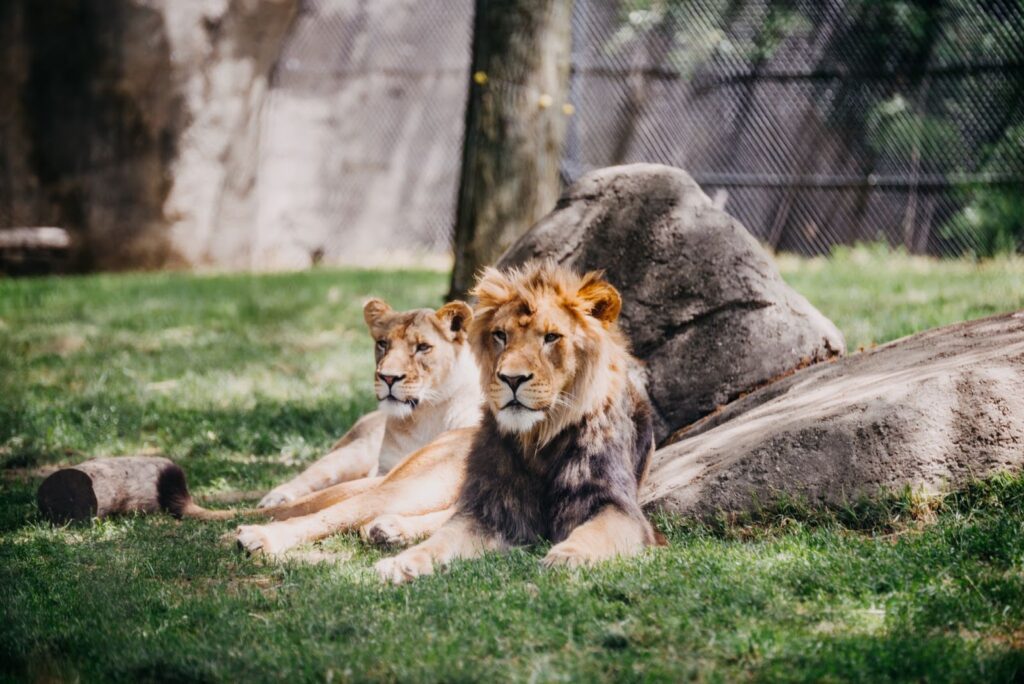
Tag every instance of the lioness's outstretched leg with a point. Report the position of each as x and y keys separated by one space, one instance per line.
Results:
x=352 y=457
x=460 y=537
x=610 y=533
x=404 y=529
x=325 y=498
x=427 y=481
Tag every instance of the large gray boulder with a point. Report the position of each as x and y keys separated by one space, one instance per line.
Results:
x=703 y=304
x=930 y=411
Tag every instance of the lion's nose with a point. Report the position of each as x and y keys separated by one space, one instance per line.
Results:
x=389 y=380
x=514 y=381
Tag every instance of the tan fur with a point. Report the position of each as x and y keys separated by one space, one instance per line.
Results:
x=458 y=538
x=426 y=482
x=437 y=391
x=556 y=328
x=443 y=382
x=571 y=376
x=607 y=535
x=393 y=528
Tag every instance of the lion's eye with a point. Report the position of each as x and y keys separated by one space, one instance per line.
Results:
x=382 y=345
x=551 y=337
x=423 y=347
x=500 y=336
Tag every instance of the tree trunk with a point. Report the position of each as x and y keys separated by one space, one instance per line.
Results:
x=515 y=128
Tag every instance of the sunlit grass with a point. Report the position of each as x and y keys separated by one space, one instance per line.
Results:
x=875 y=295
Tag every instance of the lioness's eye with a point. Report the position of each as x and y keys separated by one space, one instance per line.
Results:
x=552 y=337
x=423 y=347
x=499 y=335
x=382 y=344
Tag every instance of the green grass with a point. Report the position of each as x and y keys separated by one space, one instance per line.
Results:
x=243 y=380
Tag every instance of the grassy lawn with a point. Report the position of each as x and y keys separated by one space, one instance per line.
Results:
x=244 y=379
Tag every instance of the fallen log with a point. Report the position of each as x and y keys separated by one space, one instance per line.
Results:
x=106 y=486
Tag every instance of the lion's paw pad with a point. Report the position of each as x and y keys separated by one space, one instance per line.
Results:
x=404 y=567
x=385 y=530
x=253 y=539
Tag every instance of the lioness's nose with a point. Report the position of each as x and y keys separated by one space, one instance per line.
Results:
x=389 y=380
x=514 y=381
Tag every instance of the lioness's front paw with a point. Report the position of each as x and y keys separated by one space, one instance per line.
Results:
x=276 y=497
x=404 y=567
x=567 y=555
x=254 y=539
x=385 y=530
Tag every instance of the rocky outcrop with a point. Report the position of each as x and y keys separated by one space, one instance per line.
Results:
x=703 y=303
x=930 y=411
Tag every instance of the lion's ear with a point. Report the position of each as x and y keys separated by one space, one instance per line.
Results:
x=373 y=310
x=600 y=299
x=455 y=316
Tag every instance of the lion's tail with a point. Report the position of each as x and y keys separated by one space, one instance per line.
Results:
x=173 y=495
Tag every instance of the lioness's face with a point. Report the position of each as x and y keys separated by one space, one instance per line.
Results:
x=535 y=340
x=415 y=352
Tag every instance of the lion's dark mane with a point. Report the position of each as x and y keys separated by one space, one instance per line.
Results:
x=524 y=497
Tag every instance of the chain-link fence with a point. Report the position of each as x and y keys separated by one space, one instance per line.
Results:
x=816 y=123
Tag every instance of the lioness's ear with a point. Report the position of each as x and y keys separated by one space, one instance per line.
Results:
x=455 y=316
x=374 y=309
x=600 y=298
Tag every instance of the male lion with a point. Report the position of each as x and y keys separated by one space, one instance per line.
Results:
x=567 y=436
x=426 y=383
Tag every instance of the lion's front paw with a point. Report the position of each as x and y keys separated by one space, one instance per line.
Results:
x=255 y=539
x=568 y=555
x=276 y=497
x=405 y=567
x=386 y=530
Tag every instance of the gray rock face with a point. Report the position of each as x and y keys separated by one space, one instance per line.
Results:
x=931 y=411
x=233 y=133
x=703 y=304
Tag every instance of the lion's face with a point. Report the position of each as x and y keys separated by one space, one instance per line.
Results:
x=416 y=352
x=539 y=337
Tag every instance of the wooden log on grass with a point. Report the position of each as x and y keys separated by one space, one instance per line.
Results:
x=106 y=486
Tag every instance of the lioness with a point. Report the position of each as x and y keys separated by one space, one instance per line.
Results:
x=567 y=436
x=426 y=383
